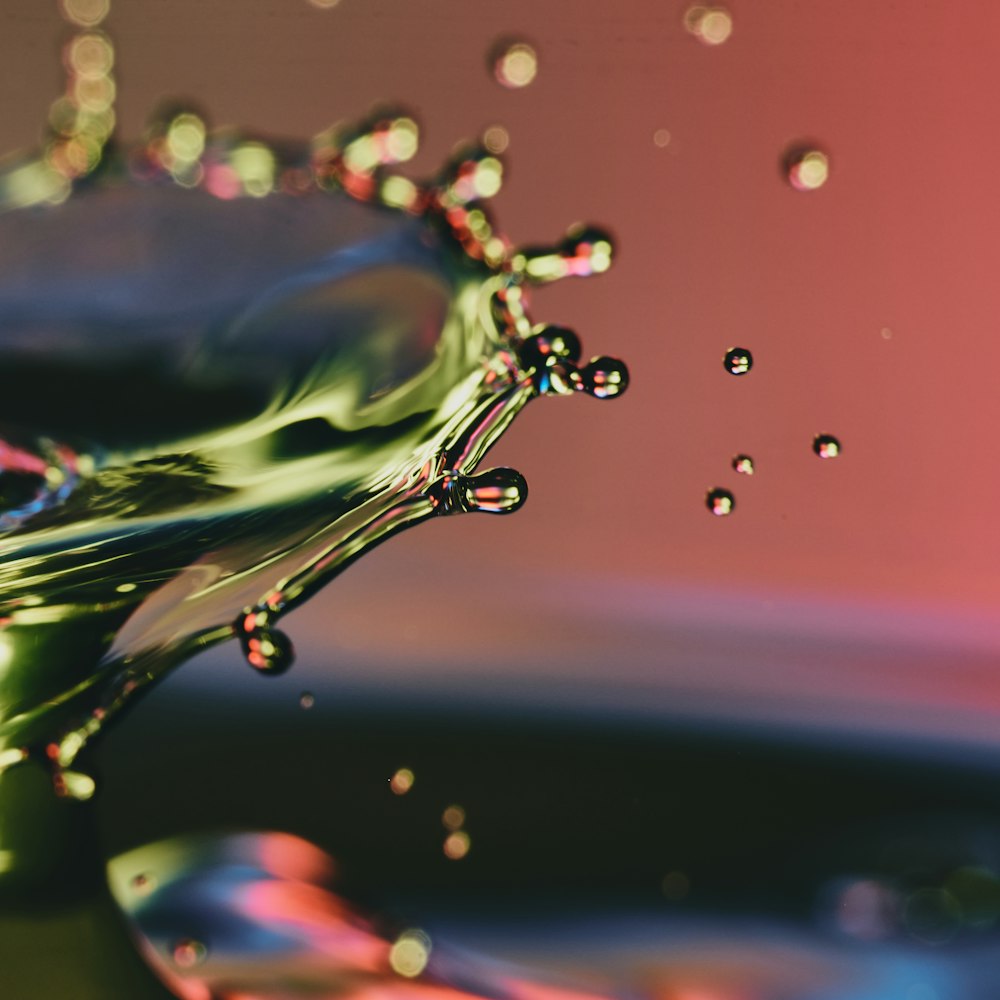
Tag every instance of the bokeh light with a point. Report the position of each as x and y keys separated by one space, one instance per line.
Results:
x=456 y=845
x=496 y=139
x=86 y=13
x=402 y=781
x=710 y=25
x=514 y=64
x=806 y=169
x=410 y=953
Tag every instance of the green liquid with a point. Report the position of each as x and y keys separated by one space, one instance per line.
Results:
x=211 y=406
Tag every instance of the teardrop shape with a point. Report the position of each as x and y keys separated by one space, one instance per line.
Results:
x=495 y=491
x=268 y=651
x=604 y=378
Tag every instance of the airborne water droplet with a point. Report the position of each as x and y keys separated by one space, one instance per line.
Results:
x=456 y=845
x=826 y=446
x=402 y=781
x=710 y=25
x=743 y=464
x=514 y=63
x=720 y=502
x=806 y=168
x=738 y=361
x=307 y=699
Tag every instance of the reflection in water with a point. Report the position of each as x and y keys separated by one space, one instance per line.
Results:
x=253 y=916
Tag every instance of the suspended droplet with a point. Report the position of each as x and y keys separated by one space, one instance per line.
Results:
x=402 y=781
x=738 y=361
x=471 y=174
x=604 y=378
x=187 y=953
x=410 y=953
x=806 y=168
x=514 y=63
x=456 y=845
x=307 y=699
x=710 y=25
x=496 y=139
x=583 y=251
x=720 y=502
x=826 y=446
x=453 y=817
x=743 y=464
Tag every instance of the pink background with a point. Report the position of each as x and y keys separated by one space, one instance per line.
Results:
x=854 y=594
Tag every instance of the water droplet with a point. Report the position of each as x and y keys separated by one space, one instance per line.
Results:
x=514 y=63
x=604 y=378
x=743 y=464
x=806 y=168
x=720 y=502
x=738 y=361
x=661 y=138
x=307 y=699
x=456 y=845
x=267 y=650
x=187 y=953
x=710 y=25
x=410 y=953
x=496 y=139
x=453 y=817
x=886 y=333
x=86 y=13
x=472 y=173
x=826 y=446
x=402 y=781
x=494 y=491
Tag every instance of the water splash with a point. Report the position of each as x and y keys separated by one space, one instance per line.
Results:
x=269 y=358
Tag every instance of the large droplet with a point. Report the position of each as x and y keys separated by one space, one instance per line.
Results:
x=266 y=649
x=738 y=361
x=720 y=502
x=806 y=168
x=496 y=491
x=514 y=63
x=826 y=446
x=743 y=464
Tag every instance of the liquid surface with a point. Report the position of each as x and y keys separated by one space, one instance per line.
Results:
x=220 y=391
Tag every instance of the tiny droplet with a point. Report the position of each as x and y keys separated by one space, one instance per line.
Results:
x=710 y=25
x=743 y=464
x=738 y=361
x=453 y=817
x=143 y=883
x=720 y=502
x=826 y=446
x=456 y=845
x=402 y=781
x=496 y=139
x=307 y=699
x=806 y=169
x=187 y=953
x=661 y=138
x=514 y=63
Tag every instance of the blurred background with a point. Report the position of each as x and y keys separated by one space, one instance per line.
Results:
x=642 y=699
